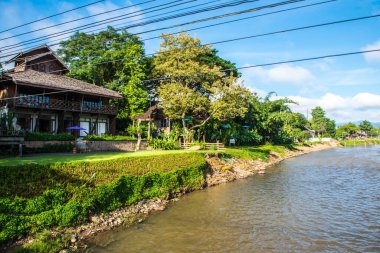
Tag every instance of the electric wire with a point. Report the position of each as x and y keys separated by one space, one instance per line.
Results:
x=78 y=19
x=51 y=16
x=240 y=38
x=222 y=70
x=180 y=15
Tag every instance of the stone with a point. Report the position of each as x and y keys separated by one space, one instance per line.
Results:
x=74 y=238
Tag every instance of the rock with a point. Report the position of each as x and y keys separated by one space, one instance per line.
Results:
x=261 y=172
x=64 y=251
x=74 y=238
x=140 y=220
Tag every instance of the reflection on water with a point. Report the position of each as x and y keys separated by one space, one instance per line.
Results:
x=322 y=202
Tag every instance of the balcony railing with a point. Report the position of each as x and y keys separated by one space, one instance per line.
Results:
x=58 y=104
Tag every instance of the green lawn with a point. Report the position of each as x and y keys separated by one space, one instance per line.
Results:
x=63 y=158
x=258 y=152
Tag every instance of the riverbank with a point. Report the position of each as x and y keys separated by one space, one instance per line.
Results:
x=225 y=167
x=353 y=143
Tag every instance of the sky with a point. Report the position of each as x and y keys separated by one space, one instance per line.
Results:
x=348 y=88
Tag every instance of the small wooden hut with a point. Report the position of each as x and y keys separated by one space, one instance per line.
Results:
x=155 y=115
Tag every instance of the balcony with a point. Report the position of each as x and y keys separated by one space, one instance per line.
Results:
x=39 y=102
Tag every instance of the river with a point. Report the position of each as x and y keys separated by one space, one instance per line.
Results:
x=326 y=201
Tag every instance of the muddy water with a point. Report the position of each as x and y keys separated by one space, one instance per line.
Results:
x=321 y=202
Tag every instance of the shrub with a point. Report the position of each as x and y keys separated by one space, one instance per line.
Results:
x=52 y=148
x=109 y=138
x=249 y=138
x=164 y=144
x=49 y=137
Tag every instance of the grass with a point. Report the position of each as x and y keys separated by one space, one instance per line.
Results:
x=246 y=152
x=254 y=153
x=351 y=143
x=86 y=157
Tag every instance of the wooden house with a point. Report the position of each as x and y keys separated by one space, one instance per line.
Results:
x=42 y=99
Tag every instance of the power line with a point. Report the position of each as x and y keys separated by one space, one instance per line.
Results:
x=206 y=19
x=222 y=70
x=56 y=34
x=229 y=4
x=78 y=19
x=281 y=62
x=60 y=39
x=219 y=16
x=236 y=20
x=243 y=38
x=51 y=16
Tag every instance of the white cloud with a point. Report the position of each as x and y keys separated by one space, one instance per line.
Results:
x=285 y=73
x=374 y=56
x=342 y=109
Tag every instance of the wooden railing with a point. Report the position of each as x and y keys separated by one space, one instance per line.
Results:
x=58 y=104
x=208 y=146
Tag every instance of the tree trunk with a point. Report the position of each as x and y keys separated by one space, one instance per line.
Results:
x=138 y=144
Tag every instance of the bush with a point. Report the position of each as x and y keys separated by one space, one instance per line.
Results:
x=109 y=138
x=52 y=148
x=66 y=203
x=164 y=144
x=49 y=137
x=249 y=138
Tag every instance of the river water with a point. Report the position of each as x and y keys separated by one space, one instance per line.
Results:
x=327 y=201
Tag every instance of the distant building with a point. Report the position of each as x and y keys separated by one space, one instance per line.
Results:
x=42 y=99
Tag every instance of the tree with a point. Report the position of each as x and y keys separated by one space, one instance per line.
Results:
x=269 y=117
x=95 y=58
x=346 y=130
x=366 y=127
x=193 y=90
x=318 y=120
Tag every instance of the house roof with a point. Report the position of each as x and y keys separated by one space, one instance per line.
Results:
x=153 y=112
x=22 y=54
x=48 y=51
x=59 y=82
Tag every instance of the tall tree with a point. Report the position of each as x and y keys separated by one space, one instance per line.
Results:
x=96 y=58
x=318 y=120
x=194 y=90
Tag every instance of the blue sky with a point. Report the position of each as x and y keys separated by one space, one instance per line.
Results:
x=347 y=87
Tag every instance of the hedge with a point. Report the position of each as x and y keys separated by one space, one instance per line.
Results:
x=49 y=137
x=109 y=138
x=67 y=201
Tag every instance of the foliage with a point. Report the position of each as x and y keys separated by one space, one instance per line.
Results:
x=52 y=148
x=350 y=143
x=83 y=52
x=346 y=130
x=249 y=138
x=272 y=118
x=108 y=138
x=66 y=193
x=321 y=124
x=164 y=144
x=366 y=127
x=45 y=242
x=196 y=91
x=49 y=137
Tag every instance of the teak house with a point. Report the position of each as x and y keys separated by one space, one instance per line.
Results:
x=42 y=99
